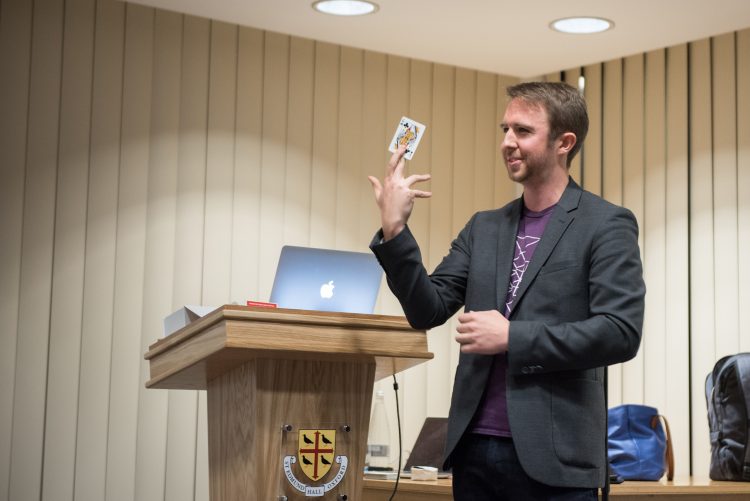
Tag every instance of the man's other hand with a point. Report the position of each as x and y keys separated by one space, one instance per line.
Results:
x=483 y=332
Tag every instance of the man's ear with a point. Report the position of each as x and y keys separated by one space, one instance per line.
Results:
x=566 y=142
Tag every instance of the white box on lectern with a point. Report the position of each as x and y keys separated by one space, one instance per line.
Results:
x=184 y=316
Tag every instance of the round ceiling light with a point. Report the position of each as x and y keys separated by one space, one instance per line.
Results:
x=582 y=25
x=345 y=7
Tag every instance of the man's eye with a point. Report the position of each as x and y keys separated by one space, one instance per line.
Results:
x=504 y=128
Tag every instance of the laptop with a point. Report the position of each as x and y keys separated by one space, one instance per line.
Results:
x=326 y=280
x=429 y=447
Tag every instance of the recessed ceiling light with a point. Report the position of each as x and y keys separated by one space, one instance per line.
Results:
x=345 y=7
x=582 y=25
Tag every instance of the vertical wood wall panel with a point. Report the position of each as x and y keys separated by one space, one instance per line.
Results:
x=724 y=119
x=190 y=224
x=101 y=228
x=273 y=160
x=170 y=157
x=68 y=257
x=325 y=146
x=702 y=297
x=151 y=446
x=486 y=135
x=654 y=229
x=37 y=242
x=350 y=137
x=191 y=173
x=217 y=252
x=743 y=185
x=299 y=143
x=677 y=307
x=612 y=132
x=247 y=162
x=129 y=265
x=15 y=56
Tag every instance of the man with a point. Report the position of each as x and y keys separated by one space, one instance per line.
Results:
x=553 y=293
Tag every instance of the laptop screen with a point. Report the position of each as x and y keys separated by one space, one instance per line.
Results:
x=429 y=447
x=326 y=280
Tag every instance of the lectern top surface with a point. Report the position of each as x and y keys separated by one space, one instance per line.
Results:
x=233 y=335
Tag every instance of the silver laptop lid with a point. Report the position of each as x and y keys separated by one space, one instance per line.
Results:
x=326 y=280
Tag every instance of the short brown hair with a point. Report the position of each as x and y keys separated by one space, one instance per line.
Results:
x=565 y=107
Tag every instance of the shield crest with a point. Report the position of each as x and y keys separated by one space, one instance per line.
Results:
x=316 y=452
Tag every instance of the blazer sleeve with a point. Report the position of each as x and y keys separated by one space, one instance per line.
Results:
x=428 y=300
x=611 y=332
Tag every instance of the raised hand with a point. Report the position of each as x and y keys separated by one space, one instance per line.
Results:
x=395 y=195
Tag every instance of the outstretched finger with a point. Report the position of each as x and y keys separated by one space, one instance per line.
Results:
x=417 y=178
x=421 y=194
x=397 y=160
x=399 y=170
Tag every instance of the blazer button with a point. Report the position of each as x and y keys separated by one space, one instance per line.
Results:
x=525 y=370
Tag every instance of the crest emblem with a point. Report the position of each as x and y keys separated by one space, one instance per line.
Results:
x=316 y=452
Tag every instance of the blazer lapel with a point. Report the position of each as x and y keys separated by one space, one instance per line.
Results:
x=506 y=246
x=561 y=218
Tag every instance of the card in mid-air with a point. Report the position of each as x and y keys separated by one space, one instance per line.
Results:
x=408 y=132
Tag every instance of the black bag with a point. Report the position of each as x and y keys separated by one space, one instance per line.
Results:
x=728 y=401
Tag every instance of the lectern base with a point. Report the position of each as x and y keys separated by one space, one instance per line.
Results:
x=288 y=396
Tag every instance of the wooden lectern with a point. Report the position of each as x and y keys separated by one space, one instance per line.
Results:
x=289 y=395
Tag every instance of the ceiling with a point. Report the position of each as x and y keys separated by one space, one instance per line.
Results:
x=499 y=36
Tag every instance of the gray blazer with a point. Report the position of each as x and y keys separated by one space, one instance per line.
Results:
x=579 y=308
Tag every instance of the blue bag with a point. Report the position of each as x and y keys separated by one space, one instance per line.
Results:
x=638 y=448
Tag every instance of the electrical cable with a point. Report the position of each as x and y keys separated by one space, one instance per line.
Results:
x=400 y=448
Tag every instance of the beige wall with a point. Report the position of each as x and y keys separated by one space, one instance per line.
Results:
x=150 y=160
x=670 y=140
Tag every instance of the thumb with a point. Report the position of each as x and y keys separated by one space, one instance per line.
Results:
x=376 y=186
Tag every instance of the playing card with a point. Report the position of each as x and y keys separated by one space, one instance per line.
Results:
x=408 y=132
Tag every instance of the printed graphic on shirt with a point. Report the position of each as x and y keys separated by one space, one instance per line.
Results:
x=525 y=246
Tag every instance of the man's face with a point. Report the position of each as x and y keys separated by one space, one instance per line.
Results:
x=526 y=148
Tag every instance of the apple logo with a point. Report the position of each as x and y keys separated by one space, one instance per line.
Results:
x=326 y=290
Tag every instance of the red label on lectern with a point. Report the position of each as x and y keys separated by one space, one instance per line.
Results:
x=261 y=304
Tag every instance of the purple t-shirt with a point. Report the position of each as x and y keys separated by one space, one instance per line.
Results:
x=491 y=417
